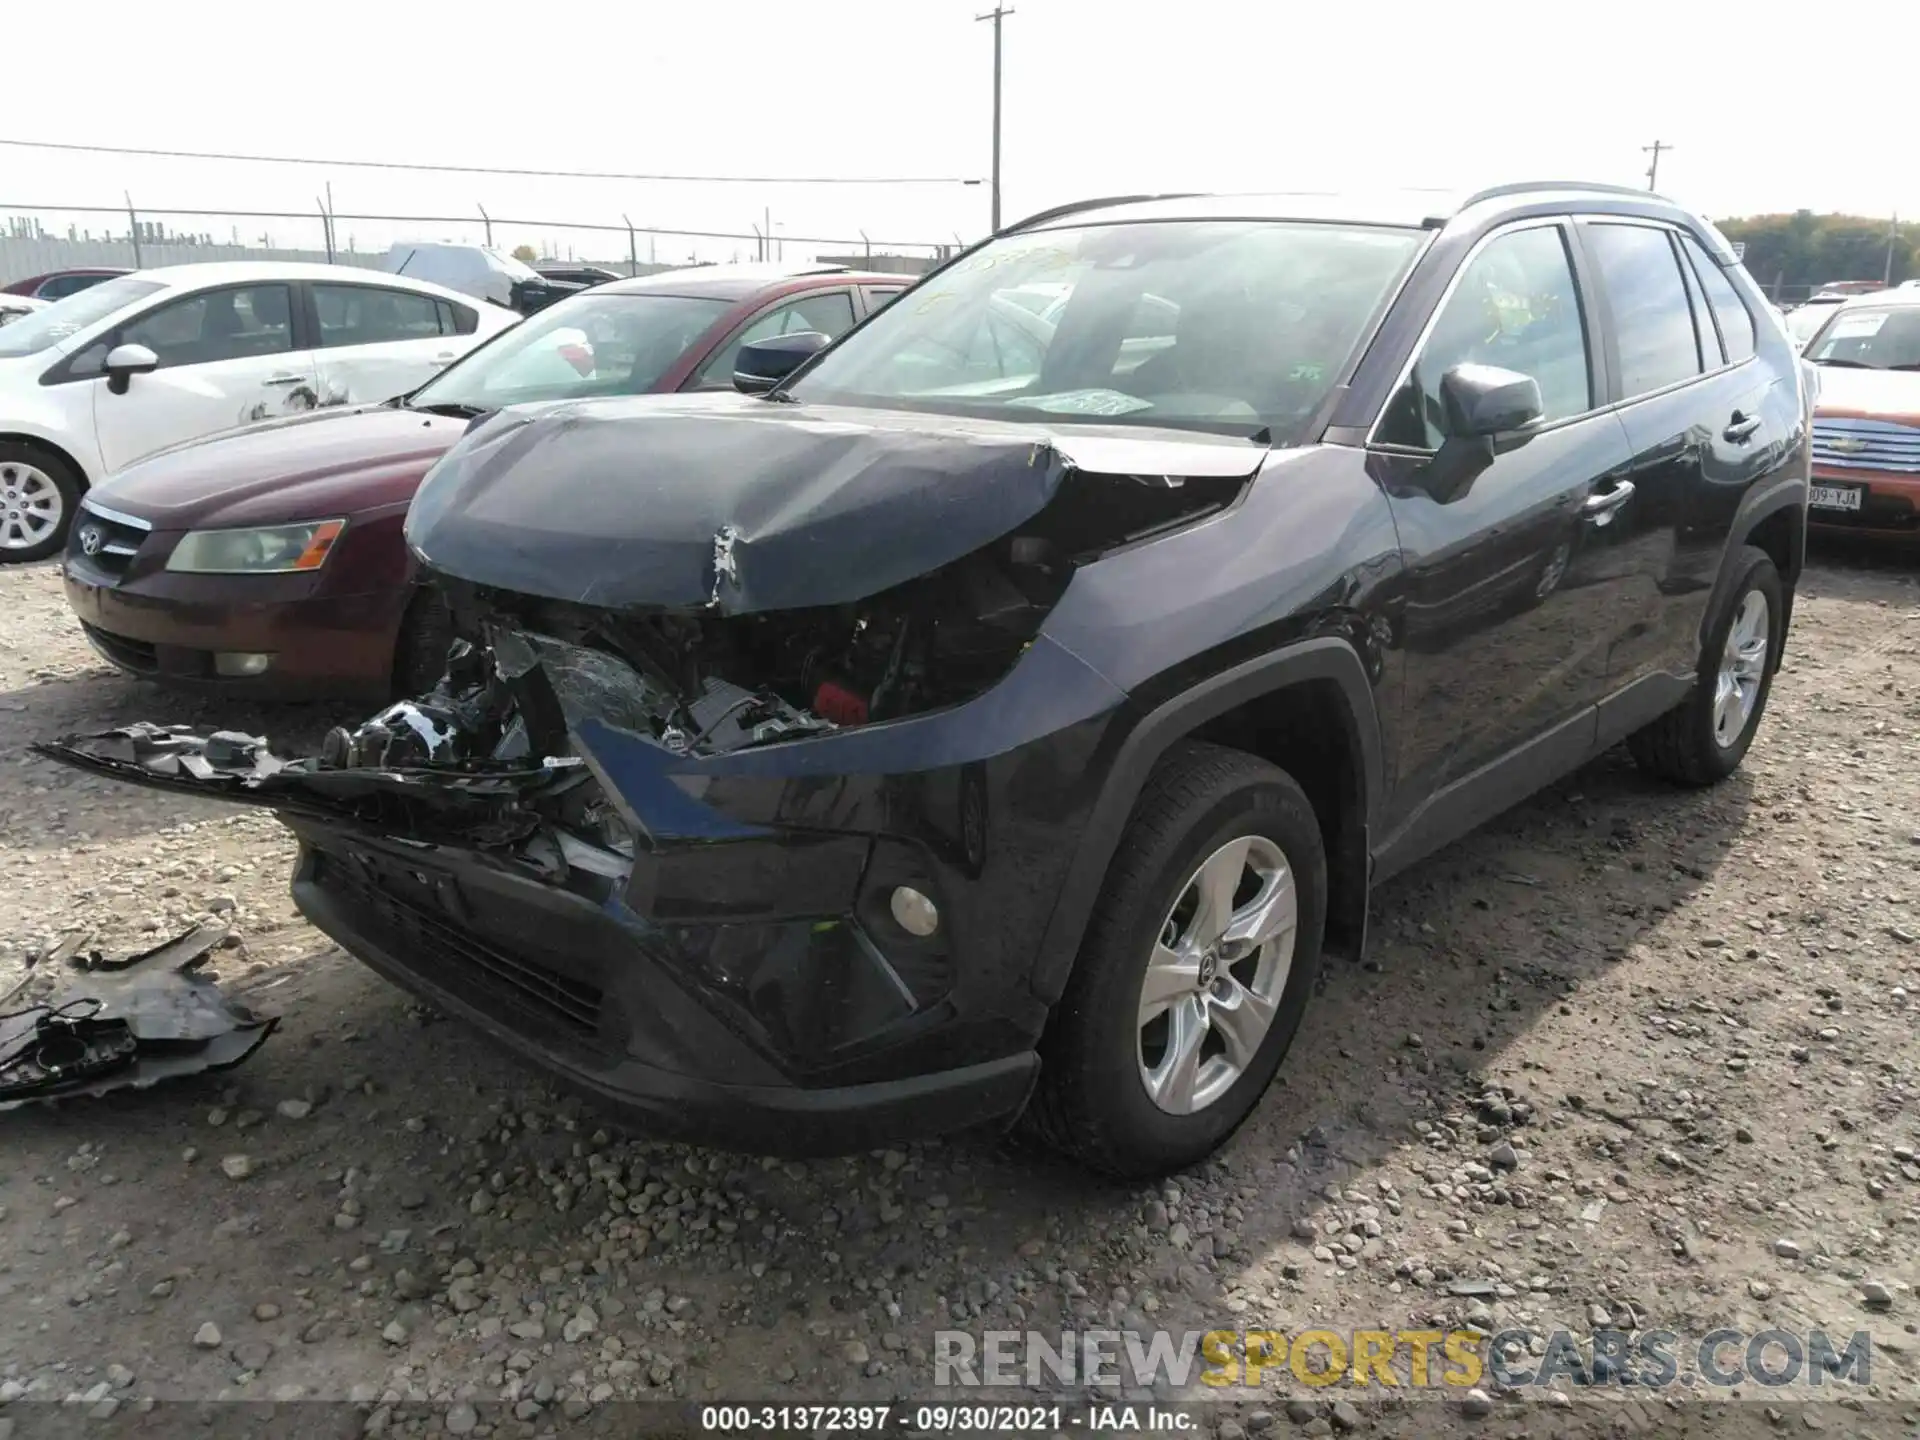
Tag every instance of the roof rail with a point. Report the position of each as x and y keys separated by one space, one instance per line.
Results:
x=1061 y=211
x=1522 y=187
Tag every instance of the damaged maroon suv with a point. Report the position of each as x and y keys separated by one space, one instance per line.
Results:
x=998 y=711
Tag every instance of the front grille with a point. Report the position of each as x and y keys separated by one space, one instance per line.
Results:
x=125 y=652
x=106 y=539
x=459 y=960
x=1867 y=445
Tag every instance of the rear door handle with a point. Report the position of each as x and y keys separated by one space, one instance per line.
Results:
x=446 y=359
x=286 y=380
x=1742 y=428
x=1600 y=508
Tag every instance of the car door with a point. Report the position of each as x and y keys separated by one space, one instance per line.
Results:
x=830 y=312
x=227 y=357
x=1693 y=404
x=1503 y=634
x=375 y=341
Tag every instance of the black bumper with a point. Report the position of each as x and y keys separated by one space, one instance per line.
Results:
x=594 y=995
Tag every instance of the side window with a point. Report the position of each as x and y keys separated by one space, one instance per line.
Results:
x=63 y=285
x=372 y=315
x=1515 y=306
x=1705 y=337
x=879 y=299
x=216 y=325
x=828 y=311
x=1736 y=324
x=458 y=319
x=1652 y=321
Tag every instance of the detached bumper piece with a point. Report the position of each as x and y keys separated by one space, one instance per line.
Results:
x=126 y=1024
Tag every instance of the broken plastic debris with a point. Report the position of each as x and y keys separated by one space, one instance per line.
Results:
x=126 y=1024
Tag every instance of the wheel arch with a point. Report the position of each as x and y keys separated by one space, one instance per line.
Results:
x=1774 y=522
x=59 y=452
x=1257 y=706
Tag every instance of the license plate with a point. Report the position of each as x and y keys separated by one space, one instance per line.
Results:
x=1836 y=497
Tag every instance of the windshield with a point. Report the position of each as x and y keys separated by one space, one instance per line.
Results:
x=1883 y=337
x=587 y=345
x=1233 y=326
x=64 y=318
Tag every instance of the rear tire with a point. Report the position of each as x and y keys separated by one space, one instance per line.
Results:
x=1704 y=738
x=420 y=651
x=38 y=489
x=1211 y=822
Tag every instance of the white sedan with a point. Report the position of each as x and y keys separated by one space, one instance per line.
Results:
x=157 y=358
x=18 y=307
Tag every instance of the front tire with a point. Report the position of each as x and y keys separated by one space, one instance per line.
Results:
x=1704 y=738
x=1194 y=972
x=39 y=493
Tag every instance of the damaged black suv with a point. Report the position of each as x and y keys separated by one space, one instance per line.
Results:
x=999 y=711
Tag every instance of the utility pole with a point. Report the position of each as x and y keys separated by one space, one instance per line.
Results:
x=1653 y=170
x=1893 y=238
x=997 y=14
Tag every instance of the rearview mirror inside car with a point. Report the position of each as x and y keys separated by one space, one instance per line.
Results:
x=763 y=364
x=124 y=362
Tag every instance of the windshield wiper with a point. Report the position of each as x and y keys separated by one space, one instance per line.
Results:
x=450 y=407
x=1848 y=364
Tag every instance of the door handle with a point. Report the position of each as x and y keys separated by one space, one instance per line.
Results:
x=286 y=380
x=1600 y=508
x=446 y=359
x=1742 y=428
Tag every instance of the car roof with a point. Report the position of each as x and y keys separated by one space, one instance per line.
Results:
x=737 y=282
x=240 y=272
x=1408 y=208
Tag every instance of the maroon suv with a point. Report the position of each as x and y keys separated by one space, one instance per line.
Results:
x=270 y=559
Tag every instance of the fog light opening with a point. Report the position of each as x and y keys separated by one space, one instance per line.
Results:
x=238 y=663
x=914 y=912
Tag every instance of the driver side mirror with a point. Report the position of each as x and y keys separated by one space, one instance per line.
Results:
x=123 y=362
x=1488 y=410
x=765 y=363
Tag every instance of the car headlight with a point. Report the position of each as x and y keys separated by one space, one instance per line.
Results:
x=268 y=550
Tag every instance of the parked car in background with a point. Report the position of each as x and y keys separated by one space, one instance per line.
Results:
x=1866 y=427
x=13 y=307
x=273 y=560
x=911 y=749
x=480 y=271
x=153 y=358
x=1806 y=318
x=583 y=276
x=58 y=284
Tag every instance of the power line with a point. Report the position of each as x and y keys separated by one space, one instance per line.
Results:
x=494 y=169
x=329 y=215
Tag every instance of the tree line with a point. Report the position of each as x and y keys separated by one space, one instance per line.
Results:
x=1790 y=255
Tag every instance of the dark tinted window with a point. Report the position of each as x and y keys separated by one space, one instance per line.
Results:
x=1653 y=323
x=215 y=325
x=64 y=285
x=373 y=315
x=1736 y=324
x=1515 y=306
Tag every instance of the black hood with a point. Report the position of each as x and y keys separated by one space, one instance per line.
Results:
x=734 y=504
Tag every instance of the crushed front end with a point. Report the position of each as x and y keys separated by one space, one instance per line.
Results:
x=774 y=878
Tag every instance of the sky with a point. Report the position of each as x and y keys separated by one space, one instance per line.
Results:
x=1101 y=97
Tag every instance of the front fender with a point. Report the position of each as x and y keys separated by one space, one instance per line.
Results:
x=1324 y=658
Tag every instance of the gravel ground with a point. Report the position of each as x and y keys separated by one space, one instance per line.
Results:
x=1627 y=1058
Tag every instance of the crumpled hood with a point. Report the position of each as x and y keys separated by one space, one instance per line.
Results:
x=1892 y=395
x=737 y=504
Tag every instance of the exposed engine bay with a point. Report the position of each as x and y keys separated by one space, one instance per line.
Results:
x=487 y=758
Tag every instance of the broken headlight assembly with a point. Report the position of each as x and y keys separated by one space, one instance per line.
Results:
x=263 y=550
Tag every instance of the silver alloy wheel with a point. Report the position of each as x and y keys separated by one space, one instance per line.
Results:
x=1743 y=665
x=1216 y=975
x=30 y=506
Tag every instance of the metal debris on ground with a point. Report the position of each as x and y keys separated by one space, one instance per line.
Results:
x=124 y=1024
